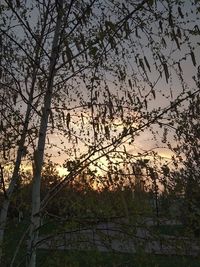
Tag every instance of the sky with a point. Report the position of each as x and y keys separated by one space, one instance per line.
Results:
x=165 y=92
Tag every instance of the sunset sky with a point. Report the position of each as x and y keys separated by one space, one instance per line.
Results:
x=58 y=144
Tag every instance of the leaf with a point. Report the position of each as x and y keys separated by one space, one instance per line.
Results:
x=127 y=29
x=163 y=42
x=179 y=66
x=107 y=132
x=147 y=63
x=151 y=2
x=174 y=37
x=122 y=75
x=110 y=106
x=63 y=116
x=51 y=118
x=15 y=98
x=88 y=11
x=161 y=25
x=110 y=25
x=166 y=71
x=1 y=126
x=142 y=64
x=179 y=33
x=110 y=178
x=122 y=112
x=93 y=51
x=130 y=98
x=112 y=42
x=136 y=32
x=125 y=131
x=10 y=2
x=177 y=42
x=165 y=170
x=193 y=58
x=82 y=118
x=180 y=12
x=153 y=93
x=139 y=102
x=68 y=118
x=82 y=40
x=130 y=83
x=4 y=151
x=101 y=35
x=18 y=3
x=170 y=19
x=145 y=103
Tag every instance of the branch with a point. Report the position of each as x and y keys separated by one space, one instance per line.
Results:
x=112 y=146
x=3 y=182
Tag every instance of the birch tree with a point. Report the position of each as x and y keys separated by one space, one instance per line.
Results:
x=19 y=85
x=13 y=87
x=93 y=75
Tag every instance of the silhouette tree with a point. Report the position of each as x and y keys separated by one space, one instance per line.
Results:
x=185 y=181
x=89 y=71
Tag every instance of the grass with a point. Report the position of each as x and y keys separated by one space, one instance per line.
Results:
x=55 y=258
x=175 y=230
x=103 y=259
x=13 y=234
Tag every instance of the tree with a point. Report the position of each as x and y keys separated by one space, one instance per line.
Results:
x=16 y=84
x=91 y=64
x=185 y=180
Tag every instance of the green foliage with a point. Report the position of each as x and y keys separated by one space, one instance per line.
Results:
x=90 y=72
x=99 y=259
x=15 y=232
x=170 y=230
x=185 y=181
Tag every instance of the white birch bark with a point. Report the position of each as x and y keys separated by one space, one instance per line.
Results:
x=39 y=154
x=14 y=178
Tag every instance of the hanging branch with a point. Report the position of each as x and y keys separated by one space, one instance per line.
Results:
x=3 y=182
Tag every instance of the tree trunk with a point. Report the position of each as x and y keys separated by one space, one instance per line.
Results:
x=14 y=178
x=39 y=153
